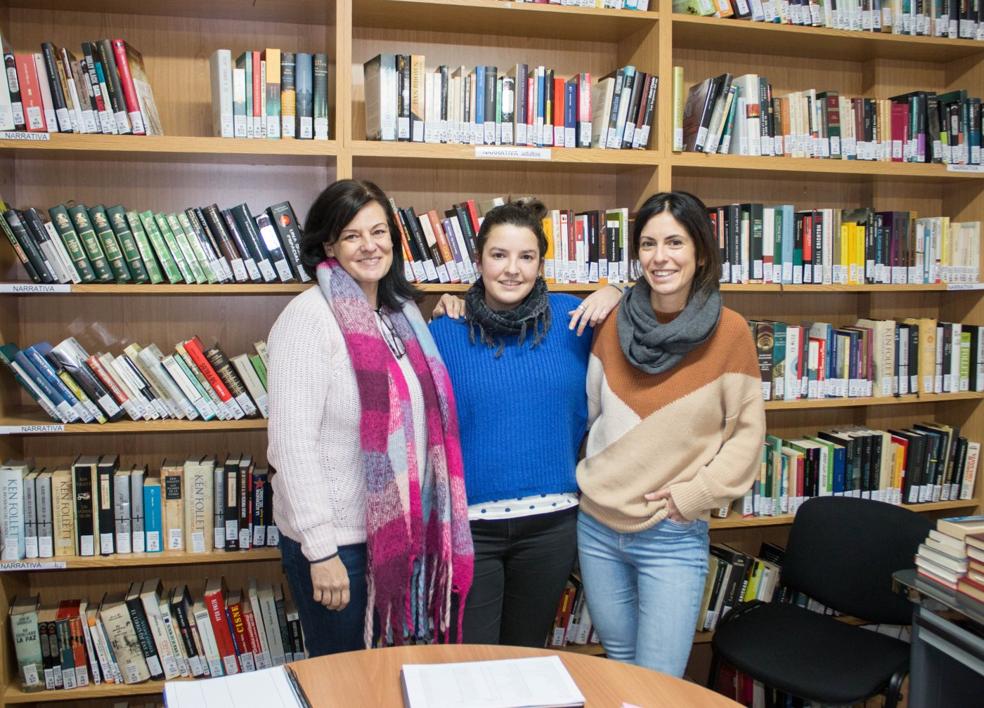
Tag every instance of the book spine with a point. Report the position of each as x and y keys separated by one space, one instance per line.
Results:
x=220 y=68
x=111 y=247
x=320 y=96
x=129 y=90
x=218 y=507
x=142 y=628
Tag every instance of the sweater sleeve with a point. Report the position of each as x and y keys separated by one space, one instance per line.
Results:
x=299 y=386
x=733 y=469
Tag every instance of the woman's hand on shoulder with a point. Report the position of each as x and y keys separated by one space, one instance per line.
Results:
x=330 y=581
x=594 y=308
x=450 y=305
x=672 y=512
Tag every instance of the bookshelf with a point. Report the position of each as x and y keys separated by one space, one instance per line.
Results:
x=188 y=166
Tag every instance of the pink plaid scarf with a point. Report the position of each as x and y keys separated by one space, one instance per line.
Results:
x=418 y=538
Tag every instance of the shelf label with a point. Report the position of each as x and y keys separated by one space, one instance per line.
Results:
x=965 y=286
x=965 y=168
x=511 y=152
x=26 y=429
x=9 y=566
x=34 y=288
x=24 y=135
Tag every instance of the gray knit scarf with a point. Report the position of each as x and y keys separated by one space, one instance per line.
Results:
x=530 y=317
x=655 y=347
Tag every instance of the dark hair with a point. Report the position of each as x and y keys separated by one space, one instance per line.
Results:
x=692 y=214
x=524 y=213
x=331 y=212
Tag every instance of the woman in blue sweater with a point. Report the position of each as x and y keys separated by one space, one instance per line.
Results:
x=518 y=372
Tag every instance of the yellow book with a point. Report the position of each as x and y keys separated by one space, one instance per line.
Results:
x=679 y=92
x=548 y=257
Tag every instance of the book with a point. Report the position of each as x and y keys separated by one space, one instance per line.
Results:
x=172 y=483
x=23 y=618
x=960 y=526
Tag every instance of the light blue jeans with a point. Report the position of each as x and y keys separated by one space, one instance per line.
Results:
x=644 y=589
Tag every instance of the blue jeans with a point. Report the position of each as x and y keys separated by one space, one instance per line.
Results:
x=644 y=589
x=328 y=631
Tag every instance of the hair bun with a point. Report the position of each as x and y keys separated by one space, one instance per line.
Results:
x=532 y=205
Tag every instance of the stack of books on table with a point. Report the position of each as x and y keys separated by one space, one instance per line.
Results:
x=953 y=555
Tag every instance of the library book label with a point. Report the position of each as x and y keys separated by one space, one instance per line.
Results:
x=24 y=135
x=511 y=152
x=34 y=288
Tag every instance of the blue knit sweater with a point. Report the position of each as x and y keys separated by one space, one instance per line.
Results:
x=522 y=415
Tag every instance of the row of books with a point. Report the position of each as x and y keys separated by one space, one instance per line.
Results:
x=150 y=631
x=740 y=115
x=780 y=244
x=73 y=243
x=940 y=18
x=953 y=555
x=572 y=622
x=523 y=105
x=583 y=247
x=928 y=462
x=97 y=507
x=734 y=577
x=876 y=358
x=141 y=383
x=106 y=91
x=270 y=94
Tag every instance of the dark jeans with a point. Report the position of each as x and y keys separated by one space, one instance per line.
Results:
x=328 y=631
x=521 y=567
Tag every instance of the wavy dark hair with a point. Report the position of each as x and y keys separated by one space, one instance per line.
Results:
x=692 y=214
x=331 y=212
x=524 y=213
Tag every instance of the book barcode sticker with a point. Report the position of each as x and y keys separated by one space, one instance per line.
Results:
x=283 y=271
x=153 y=541
x=106 y=546
x=87 y=545
x=31 y=677
x=230 y=664
x=232 y=530
x=244 y=539
x=175 y=540
x=511 y=152
x=266 y=270
x=46 y=547
x=34 y=288
x=24 y=135
x=154 y=664
x=16 y=565
x=273 y=536
x=239 y=270
x=123 y=543
x=218 y=538
x=68 y=679
x=197 y=541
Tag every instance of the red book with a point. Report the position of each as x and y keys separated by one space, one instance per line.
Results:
x=900 y=130
x=30 y=89
x=194 y=348
x=443 y=245
x=473 y=215
x=258 y=90
x=97 y=368
x=530 y=110
x=69 y=610
x=129 y=90
x=215 y=603
x=243 y=647
x=261 y=659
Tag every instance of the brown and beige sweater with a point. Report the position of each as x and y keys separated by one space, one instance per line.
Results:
x=697 y=428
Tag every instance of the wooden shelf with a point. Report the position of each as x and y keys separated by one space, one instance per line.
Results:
x=813 y=289
x=175 y=148
x=736 y=521
x=692 y=32
x=124 y=289
x=588 y=649
x=391 y=153
x=811 y=403
x=295 y=11
x=142 y=560
x=14 y=694
x=689 y=163
x=494 y=17
x=30 y=421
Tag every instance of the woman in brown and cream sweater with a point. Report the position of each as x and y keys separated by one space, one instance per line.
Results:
x=677 y=427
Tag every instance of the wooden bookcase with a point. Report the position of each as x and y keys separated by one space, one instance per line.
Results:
x=188 y=166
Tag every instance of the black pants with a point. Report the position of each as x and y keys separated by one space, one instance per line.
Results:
x=521 y=567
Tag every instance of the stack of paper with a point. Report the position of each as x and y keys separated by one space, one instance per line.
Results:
x=510 y=683
x=267 y=688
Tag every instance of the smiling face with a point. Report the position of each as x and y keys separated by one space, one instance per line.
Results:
x=510 y=263
x=365 y=249
x=668 y=258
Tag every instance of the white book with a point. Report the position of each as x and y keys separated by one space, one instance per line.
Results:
x=12 y=510
x=263 y=658
x=150 y=599
x=45 y=514
x=30 y=516
x=207 y=635
x=220 y=69
x=252 y=382
x=271 y=624
x=172 y=632
x=50 y=119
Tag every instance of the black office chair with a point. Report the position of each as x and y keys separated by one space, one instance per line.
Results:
x=842 y=552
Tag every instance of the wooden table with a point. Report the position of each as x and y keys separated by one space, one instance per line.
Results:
x=372 y=677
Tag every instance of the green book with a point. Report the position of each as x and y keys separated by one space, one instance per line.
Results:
x=257 y=361
x=73 y=244
x=146 y=250
x=190 y=259
x=83 y=227
x=128 y=243
x=167 y=262
x=196 y=247
x=114 y=254
x=172 y=246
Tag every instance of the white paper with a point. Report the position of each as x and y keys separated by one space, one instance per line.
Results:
x=509 y=683
x=268 y=688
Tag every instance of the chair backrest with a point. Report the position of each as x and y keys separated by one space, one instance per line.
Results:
x=842 y=552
